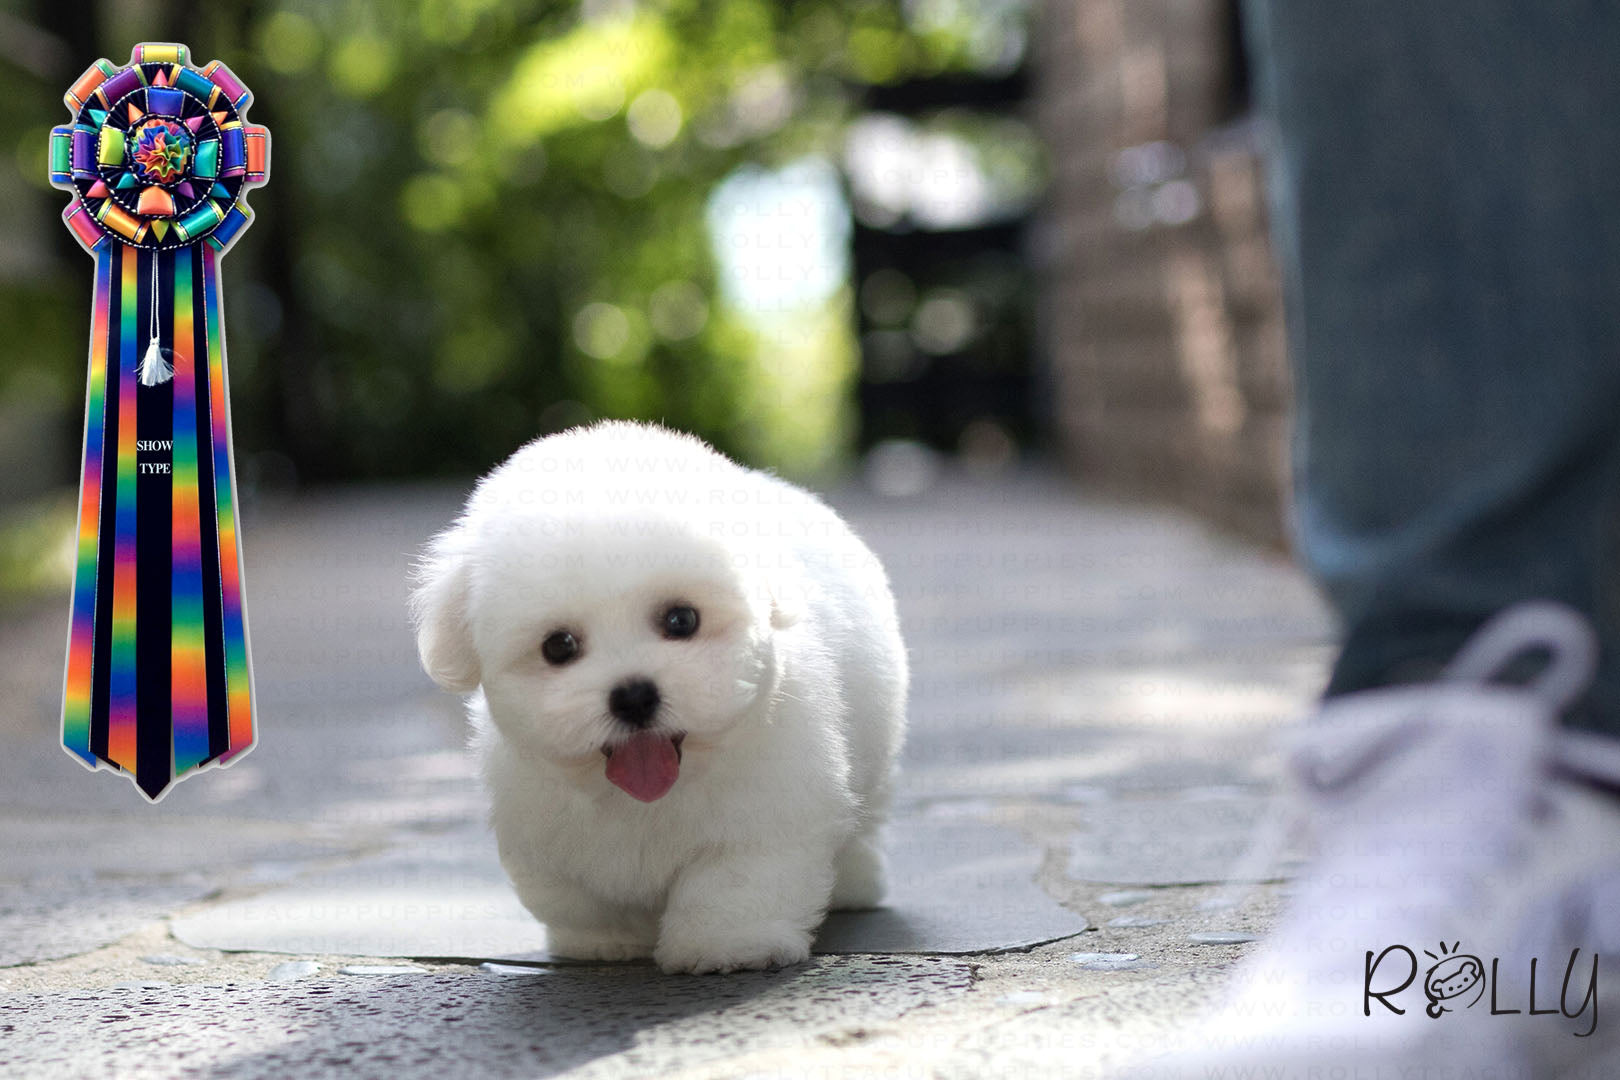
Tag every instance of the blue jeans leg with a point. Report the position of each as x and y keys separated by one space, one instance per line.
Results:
x=1446 y=210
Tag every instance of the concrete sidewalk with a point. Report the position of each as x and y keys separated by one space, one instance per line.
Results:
x=1096 y=689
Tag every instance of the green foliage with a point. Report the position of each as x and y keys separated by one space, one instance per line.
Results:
x=486 y=218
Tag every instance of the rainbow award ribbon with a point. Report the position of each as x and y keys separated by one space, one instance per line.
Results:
x=158 y=159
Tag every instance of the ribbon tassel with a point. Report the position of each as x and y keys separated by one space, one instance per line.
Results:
x=155 y=371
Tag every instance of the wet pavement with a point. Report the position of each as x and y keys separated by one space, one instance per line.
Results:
x=1097 y=688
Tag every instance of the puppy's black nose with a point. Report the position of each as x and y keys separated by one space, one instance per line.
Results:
x=634 y=701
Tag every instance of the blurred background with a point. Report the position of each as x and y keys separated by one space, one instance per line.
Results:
x=991 y=274
x=879 y=240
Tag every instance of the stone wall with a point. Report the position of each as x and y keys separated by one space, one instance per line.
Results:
x=1161 y=320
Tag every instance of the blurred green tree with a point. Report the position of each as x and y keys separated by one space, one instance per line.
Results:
x=486 y=218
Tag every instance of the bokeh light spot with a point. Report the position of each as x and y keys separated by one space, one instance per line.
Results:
x=601 y=330
x=289 y=42
x=678 y=310
x=430 y=202
x=654 y=118
x=363 y=66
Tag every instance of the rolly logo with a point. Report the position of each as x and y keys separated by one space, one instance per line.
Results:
x=1458 y=980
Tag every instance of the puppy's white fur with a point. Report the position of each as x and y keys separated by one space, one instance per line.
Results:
x=791 y=695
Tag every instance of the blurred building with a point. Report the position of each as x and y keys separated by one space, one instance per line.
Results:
x=1160 y=314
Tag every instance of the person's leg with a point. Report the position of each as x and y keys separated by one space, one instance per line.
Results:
x=1443 y=177
x=1446 y=194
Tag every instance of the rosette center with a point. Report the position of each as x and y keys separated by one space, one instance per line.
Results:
x=161 y=151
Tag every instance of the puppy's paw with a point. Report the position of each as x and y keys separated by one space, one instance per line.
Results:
x=862 y=879
x=574 y=944
x=767 y=945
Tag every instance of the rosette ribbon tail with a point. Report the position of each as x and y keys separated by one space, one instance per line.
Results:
x=158 y=682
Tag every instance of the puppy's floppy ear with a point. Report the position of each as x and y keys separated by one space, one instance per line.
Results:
x=439 y=609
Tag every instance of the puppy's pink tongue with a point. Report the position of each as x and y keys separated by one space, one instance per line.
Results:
x=646 y=766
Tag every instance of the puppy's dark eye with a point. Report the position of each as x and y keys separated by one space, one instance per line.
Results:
x=680 y=621
x=559 y=647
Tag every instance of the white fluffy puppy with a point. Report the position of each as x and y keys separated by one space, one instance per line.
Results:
x=690 y=693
